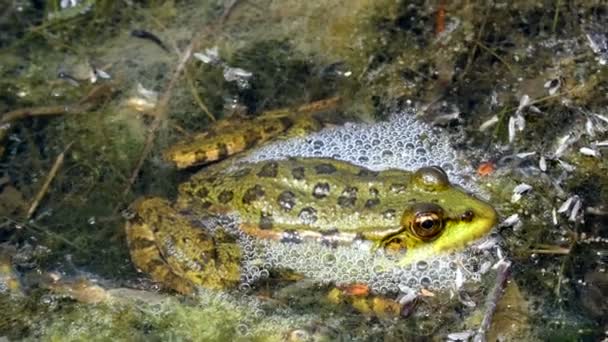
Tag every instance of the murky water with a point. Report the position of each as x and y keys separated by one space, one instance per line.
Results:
x=510 y=97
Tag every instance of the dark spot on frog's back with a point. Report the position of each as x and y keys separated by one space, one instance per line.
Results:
x=141 y=243
x=287 y=200
x=348 y=198
x=270 y=129
x=240 y=173
x=389 y=214
x=154 y=264
x=325 y=169
x=225 y=196
x=222 y=151
x=372 y=202
x=308 y=215
x=201 y=192
x=398 y=188
x=320 y=190
x=291 y=236
x=265 y=221
x=269 y=170
x=251 y=138
x=298 y=173
x=253 y=194
x=367 y=173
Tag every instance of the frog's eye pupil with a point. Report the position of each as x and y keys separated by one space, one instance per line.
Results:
x=424 y=221
x=427 y=224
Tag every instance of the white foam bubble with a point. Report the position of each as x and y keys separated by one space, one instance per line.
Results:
x=401 y=142
x=344 y=265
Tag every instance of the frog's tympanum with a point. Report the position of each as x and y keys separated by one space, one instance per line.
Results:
x=324 y=219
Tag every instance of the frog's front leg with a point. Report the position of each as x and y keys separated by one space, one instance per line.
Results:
x=358 y=297
x=175 y=250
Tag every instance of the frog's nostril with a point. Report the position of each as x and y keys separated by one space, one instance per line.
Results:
x=467 y=216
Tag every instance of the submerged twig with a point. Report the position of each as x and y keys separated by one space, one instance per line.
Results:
x=495 y=55
x=160 y=113
x=502 y=274
x=84 y=104
x=197 y=98
x=556 y=16
x=474 y=48
x=47 y=182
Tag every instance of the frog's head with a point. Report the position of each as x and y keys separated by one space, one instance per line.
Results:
x=444 y=217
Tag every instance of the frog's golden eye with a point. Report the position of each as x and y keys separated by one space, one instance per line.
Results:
x=427 y=221
x=431 y=178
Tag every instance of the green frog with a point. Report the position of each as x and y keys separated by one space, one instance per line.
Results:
x=324 y=219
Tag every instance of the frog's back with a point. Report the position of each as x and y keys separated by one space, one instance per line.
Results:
x=317 y=193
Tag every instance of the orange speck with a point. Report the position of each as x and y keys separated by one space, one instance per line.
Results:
x=486 y=168
x=356 y=290
x=440 y=18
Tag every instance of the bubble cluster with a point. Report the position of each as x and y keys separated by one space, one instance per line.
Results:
x=401 y=142
x=360 y=263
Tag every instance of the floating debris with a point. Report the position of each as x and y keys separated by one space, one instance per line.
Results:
x=95 y=74
x=519 y=191
x=447 y=118
x=566 y=166
x=210 y=56
x=554 y=216
x=571 y=207
x=588 y=151
x=231 y=74
x=147 y=93
x=461 y=336
x=553 y=86
x=516 y=123
x=488 y=123
x=563 y=143
x=143 y=34
x=68 y=3
x=575 y=209
x=598 y=42
x=238 y=75
x=511 y=221
x=144 y=103
x=524 y=155
x=68 y=78
x=542 y=164
x=567 y=204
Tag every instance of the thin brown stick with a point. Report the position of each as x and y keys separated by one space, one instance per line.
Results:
x=160 y=111
x=471 y=57
x=502 y=275
x=47 y=182
x=197 y=98
x=84 y=104
x=495 y=55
